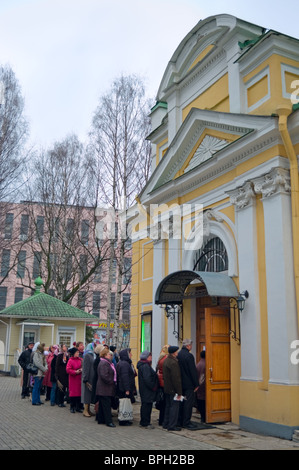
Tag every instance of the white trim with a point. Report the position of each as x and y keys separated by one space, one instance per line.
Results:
x=252 y=81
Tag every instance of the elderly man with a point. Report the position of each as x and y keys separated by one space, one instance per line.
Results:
x=24 y=360
x=172 y=389
x=190 y=383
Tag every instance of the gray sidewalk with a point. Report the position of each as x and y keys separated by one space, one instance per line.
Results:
x=24 y=427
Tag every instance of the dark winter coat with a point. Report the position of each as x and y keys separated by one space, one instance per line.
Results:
x=172 y=376
x=87 y=376
x=24 y=358
x=147 y=381
x=60 y=370
x=188 y=370
x=106 y=386
x=53 y=369
x=125 y=376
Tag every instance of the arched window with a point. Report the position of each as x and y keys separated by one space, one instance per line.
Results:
x=211 y=257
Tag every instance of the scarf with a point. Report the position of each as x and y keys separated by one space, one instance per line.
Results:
x=112 y=367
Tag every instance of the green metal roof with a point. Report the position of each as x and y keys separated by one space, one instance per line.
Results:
x=44 y=306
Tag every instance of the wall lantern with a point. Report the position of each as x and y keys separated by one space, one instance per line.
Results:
x=241 y=300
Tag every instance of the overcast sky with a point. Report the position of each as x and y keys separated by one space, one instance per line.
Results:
x=65 y=53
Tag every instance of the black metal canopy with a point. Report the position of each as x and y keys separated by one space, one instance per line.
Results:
x=172 y=289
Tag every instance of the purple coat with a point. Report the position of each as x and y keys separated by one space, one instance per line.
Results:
x=73 y=364
x=106 y=379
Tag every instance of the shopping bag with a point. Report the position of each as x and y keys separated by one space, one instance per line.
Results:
x=125 y=410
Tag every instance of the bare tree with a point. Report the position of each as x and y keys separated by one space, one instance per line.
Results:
x=122 y=153
x=62 y=222
x=13 y=133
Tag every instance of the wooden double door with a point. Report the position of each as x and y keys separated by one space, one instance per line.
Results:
x=213 y=335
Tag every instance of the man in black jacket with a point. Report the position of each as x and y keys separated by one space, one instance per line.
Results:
x=190 y=383
x=24 y=360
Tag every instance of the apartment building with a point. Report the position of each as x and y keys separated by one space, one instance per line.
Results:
x=59 y=245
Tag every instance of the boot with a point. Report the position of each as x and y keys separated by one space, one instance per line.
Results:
x=86 y=411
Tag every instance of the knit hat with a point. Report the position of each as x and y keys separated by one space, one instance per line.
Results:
x=72 y=351
x=172 y=349
x=144 y=355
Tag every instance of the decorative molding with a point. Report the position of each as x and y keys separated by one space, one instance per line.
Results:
x=243 y=196
x=206 y=150
x=275 y=182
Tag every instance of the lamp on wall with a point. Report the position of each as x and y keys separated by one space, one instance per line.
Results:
x=241 y=300
x=237 y=305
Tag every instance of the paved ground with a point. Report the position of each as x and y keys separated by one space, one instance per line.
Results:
x=24 y=427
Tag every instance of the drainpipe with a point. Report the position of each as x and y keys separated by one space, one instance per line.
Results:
x=283 y=112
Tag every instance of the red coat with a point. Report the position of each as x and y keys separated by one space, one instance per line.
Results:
x=160 y=370
x=47 y=379
x=74 y=363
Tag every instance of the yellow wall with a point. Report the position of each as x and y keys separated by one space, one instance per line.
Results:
x=215 y=98
x=272 y=66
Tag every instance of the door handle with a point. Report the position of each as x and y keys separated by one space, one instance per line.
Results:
x=211 y=374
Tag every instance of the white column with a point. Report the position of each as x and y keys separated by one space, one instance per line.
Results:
x=245 y=205
x=158 y=315
x=174 y=264
x=281 y=301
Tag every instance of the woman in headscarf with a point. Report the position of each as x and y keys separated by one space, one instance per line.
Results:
x=74 y=369
x=53 y=381
x=61 y=375
x=125 y=384
x=87 y=379
x=106 y=387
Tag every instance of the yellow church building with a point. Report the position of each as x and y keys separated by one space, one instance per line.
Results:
x=216 y=228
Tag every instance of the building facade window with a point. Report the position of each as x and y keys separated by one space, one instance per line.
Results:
x=19 y=292
x=40 y=228
x=8 y=226
x=5 y=262
x=84 y=232
x=21 y=264
x=212 y=257
x=37 y=258
x=24 y=227
x=96 y=303
x=3 y=297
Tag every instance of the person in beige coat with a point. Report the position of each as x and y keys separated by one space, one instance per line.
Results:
x=39 y=360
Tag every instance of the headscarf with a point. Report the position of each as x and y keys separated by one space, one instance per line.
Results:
x=89 y=349
x=35 y=346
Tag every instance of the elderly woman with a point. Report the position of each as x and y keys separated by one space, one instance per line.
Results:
x=125 y=386
x=106 y=387
x=87 y=378
x=74 y=370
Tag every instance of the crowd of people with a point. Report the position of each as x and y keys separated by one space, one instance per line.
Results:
x=98 y=375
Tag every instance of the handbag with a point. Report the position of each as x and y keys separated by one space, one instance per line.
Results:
x=125 y=410
x=31 y=368
x=159 y=398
